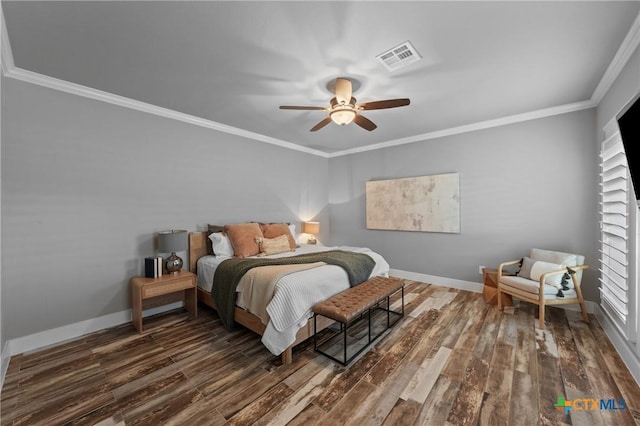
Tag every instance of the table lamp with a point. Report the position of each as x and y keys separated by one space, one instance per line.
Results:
x=171 y=242
x=312 y=228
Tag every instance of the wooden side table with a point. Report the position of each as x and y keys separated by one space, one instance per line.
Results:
x=490 y=290
x=143 y=288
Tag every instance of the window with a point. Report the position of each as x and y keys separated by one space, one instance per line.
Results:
x=618 y=224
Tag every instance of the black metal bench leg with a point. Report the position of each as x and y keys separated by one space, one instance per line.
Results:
x=315 y=333
x=344 y=334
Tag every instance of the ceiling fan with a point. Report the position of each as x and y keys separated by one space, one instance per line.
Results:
x=344 y=110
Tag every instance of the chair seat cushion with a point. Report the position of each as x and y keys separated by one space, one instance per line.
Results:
x=527 y=285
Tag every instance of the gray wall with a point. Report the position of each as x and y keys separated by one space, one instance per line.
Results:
x=531 y=184
x=86 y=184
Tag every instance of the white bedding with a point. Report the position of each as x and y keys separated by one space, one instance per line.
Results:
x=295 y=293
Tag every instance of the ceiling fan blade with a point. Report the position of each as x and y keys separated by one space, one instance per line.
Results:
x=321 y=124
x=364 y=122
x=310 y=108
x=389 y=103
x=343 y=90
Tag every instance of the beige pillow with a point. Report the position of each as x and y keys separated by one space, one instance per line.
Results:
x=279 y=244
x=272 y=230
x=242 y=237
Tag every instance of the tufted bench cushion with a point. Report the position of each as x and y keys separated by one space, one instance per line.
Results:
x=347 y=305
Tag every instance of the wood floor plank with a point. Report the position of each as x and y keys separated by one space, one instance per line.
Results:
x=498 y=388
x=466 y=407
x=347 y=379
x=437 y=406
x=574 y=376
x=451 y=360
x=260 y=408
x=397 y=353
x=403 y=413
x=523 y=407
x=525 y=350
x=308 y=416
x=426 y=376
x=381 y=401
x=550 y=387
x=297 y=401
x=606 y=388
x=342 y=411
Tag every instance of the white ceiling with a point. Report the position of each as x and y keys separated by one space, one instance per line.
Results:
x=234 y=63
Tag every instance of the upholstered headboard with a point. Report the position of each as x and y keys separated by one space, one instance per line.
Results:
x=197 y=248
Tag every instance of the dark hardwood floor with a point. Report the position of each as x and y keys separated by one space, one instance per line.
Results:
x=451 y=360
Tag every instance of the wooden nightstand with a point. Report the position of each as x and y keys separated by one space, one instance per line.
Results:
x=146 y=288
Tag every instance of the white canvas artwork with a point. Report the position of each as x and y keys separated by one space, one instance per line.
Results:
x=424 y=203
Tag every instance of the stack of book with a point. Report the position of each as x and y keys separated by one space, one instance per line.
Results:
x=153 y=267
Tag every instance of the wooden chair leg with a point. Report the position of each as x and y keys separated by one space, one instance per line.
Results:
x=499 y=299
x=583 y=308
x=541 y=316
x=585 y=314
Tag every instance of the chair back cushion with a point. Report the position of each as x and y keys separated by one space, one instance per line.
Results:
x=567 y=259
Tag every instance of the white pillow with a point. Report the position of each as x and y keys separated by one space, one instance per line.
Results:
x=534 y=269
x=221 y=244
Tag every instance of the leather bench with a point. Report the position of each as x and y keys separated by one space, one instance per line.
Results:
x=358 y=303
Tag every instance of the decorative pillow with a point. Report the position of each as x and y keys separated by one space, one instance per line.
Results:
x=272 y=230
x=279 y=244
x=534 y=269
x=211 y=229
x=221 y=244
x=243 y=237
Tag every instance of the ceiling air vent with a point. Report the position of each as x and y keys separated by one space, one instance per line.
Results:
x=399 y=56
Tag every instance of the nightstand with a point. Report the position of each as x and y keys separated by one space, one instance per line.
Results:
x=490 y=290
x=146 y=288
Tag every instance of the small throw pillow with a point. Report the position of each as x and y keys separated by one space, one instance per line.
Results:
x=243 y=237
x=221 y=244
x=272 y=230
x=210 y=230
x=534 y=269
x=275 y=245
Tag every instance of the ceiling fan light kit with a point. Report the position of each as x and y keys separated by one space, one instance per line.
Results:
x=342 y=115
x=344 y=110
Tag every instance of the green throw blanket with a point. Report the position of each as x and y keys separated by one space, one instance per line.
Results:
x=358 y=267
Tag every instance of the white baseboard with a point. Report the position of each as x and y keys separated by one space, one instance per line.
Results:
x=469 y=286
x=630 y=358
x=433 y=279
x=73 y=331
x=4 y=362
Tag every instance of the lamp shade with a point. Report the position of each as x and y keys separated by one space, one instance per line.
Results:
x=172 y=241
x=312 y=228
x=342 y=116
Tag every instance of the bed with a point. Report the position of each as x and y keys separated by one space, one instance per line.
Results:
x=281 y=333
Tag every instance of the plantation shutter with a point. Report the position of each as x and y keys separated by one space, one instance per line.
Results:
x=615 y=192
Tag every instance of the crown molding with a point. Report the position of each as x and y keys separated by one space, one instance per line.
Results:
x=6 y=55
x=527 y=116
x=626 y=49
x=88 y=92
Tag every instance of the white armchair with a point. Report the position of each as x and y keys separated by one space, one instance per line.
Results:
x=545 y=278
